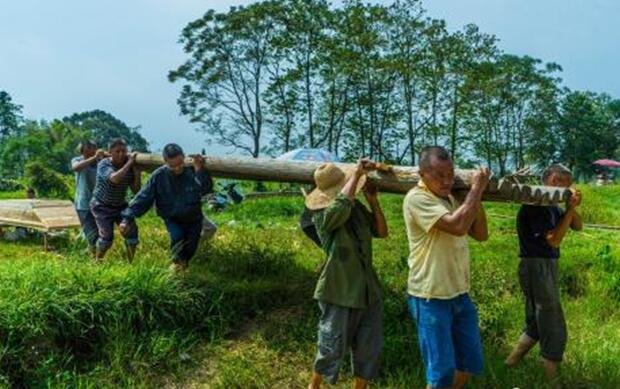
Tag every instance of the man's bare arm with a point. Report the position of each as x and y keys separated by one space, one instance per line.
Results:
x=479 y=229
x=571 y=219
x=79 y=166
x=117 y=177
x=577 y=223
x=137 y=180
x=381 y=226
x=575 y=201
x=460 y=221
x=554 y=237
x=363 y=167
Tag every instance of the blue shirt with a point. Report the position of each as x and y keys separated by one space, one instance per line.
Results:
x=176 y=197
x=106 y=192
x=533 y=224
x=84 y=184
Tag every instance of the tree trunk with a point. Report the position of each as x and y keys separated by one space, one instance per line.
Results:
x=455 y=123
x=395 y=179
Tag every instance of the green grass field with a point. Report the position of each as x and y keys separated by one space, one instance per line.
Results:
x=243 y=316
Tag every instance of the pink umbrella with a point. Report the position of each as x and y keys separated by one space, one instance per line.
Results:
x=607 y=163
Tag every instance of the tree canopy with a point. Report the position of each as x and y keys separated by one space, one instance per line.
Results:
x=53 y=144
x=381 y=81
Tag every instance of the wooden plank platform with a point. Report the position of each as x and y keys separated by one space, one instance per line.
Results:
x=38 y=214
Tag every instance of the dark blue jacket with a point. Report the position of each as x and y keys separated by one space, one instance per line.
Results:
x=176 y=197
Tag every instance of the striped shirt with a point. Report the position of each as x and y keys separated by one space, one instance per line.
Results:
x=107 y=193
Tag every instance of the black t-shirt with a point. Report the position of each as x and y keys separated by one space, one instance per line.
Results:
x=533 y=224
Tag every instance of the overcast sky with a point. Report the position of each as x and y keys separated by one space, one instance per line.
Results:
x=66 y=56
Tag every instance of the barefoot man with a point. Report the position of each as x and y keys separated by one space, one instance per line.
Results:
x=541 y=231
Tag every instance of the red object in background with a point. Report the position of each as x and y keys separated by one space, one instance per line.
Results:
x=606 y=163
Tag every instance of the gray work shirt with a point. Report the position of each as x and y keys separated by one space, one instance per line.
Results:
x=84 y=184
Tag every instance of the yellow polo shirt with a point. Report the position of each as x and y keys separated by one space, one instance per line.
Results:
x=438 y=261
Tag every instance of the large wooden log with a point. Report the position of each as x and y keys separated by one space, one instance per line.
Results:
x=393 y=179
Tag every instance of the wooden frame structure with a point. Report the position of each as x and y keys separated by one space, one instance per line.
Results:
x=37 y=214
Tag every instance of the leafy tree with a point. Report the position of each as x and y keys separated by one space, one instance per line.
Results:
x=372 y=118
x=508 y=97
x=51 y=144
x=45 y=181
x=10 y=115
x=381 y=81
x=408 y=40
x=226 y=74
x=589 y=127
x=103 y=126
x=466 y=49
x=17 y=150
x=305 y=26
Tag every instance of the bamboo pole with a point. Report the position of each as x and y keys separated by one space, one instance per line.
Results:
x=392 y=179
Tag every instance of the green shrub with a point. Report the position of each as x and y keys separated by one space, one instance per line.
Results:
x=46 y=182
x=8 y=185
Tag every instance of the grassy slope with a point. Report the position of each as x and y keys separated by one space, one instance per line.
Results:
x=243 y=317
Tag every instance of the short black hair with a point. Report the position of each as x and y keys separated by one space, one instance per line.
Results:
x=556 y=168
x=172 y=150
x=87 y=144
x=117 y=142
x=427 y=152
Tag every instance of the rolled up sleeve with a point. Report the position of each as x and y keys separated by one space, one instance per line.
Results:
x=425 y=210
x=335 y=215
x=105 y=170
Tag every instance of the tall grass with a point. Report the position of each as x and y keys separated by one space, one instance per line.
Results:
x=66 y=321
x=243 y=317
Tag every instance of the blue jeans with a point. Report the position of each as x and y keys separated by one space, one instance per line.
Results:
x=89 y=226
x=448 y=336
x=184 y=238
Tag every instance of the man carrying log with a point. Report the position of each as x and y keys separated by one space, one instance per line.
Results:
x=348 y=290
x=176 y=190
x=438 y=285
x=115 y=175
x=85 y=169
x=541 y=231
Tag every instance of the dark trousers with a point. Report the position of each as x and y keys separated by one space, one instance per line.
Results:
x=106 y=217
x=89 y=226
x=184 y=238
x=544 y=318
x=342 y=329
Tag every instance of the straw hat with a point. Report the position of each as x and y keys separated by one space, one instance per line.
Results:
x=330 y=179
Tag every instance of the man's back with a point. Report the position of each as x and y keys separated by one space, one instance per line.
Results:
x=348 y=277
